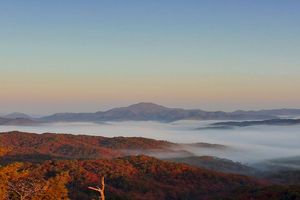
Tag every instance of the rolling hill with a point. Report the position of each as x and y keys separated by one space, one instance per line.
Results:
x=21 y=146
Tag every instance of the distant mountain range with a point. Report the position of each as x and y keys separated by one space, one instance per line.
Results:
x=270 y=122
x=18 y=121
x=154 y=112
x=273 y=112
x=16 y=115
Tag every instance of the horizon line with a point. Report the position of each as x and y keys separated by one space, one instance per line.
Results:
x=144 y=102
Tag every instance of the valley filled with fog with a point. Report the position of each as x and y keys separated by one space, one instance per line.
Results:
x=245 y=144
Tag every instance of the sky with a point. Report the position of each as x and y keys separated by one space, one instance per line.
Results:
x=75 y=56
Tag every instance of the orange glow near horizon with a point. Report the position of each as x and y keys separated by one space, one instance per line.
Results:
x=222 y=92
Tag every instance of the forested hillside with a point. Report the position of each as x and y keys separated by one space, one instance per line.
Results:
x=62 y=166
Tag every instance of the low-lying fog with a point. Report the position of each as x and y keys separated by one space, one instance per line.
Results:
x=248 y=144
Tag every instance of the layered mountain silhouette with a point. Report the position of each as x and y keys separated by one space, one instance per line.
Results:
x=271 y=122
x=274 y=112
x=149 y=112
x=16 y=115
x=18 y=121
x=154 y=112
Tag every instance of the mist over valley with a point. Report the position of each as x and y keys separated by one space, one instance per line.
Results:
x=244 y=144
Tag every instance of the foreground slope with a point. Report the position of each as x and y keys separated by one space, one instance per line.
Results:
x=138 y=177
x=63 y=166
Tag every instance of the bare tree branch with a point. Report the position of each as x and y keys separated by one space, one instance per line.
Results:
x=100 y=189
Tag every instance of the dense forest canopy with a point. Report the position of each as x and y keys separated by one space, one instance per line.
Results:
x=62 y=166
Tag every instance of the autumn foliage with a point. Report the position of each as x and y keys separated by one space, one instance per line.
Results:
x=52 y=167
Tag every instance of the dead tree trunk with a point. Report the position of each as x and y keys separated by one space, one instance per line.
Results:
x=100 y=189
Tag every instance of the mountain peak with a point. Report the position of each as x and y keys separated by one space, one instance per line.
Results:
x=146 y=106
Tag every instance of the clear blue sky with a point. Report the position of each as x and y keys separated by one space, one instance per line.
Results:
x=91 y=55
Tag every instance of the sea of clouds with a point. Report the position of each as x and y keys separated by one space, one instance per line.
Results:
x=247 y=144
